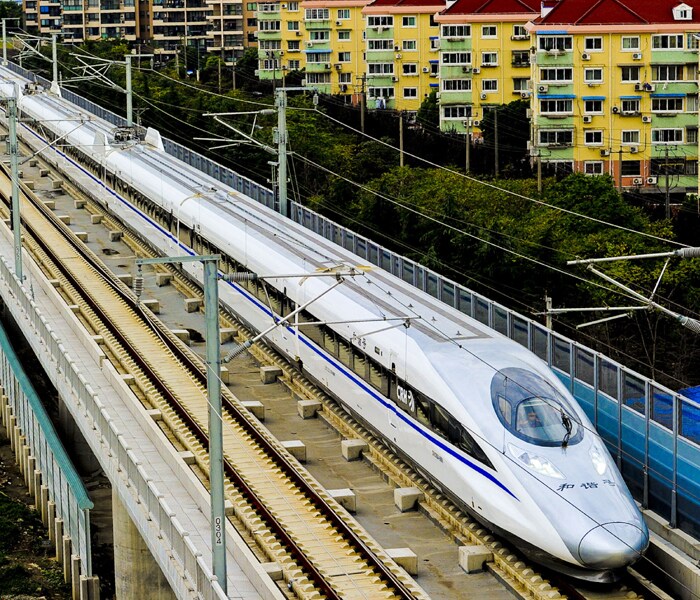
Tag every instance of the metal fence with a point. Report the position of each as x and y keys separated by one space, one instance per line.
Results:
x=66 y=489
x=651 y=430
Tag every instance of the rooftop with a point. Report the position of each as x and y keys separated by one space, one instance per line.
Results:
x=493 y=7
x=619 y=12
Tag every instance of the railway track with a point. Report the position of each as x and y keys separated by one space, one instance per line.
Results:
x=521 y=577
x=294 y=521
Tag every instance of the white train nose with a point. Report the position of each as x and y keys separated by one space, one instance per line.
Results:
x=612 y=545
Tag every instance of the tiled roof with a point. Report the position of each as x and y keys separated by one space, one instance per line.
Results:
x=494 y=7
x=408 y=3
x=617 y=12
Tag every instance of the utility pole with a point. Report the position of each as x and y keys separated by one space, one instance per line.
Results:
x=14 y=170
x=619 y=170
x=54 y=54
x=4 y=39
x=495 y=138
x=548 y=311
x=401 y=139
x=467 y=146
x=234 y=74
x=281 y=102
x=667 y=194
x=363 y=102
x=539 y=170
x=129 y=89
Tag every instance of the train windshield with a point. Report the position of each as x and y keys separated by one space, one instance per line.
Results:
x=531 y=409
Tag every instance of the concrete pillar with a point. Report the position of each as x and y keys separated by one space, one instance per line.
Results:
x=80 y=450
x=136 y=573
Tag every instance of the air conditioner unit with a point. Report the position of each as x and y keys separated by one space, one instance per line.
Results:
x=398 y=56
x=634 y=150
x=587 y=118
x=585 y=56
x=605 y=152
x=651 y=180
x=476 y=123
x=476 y=70
x=637 y=56
x=380 y=28
x=257 y=72
x=615 y=109
x=327 y=65
x=394 y=78
x=646 y=119
x=466 y=69
x=298 y=33
x=284 y=6
x=649 y=87
x=338 y=66
x=426 y=69
x=309 y=43
x=542 y=89
x=338 y=22
x=637 y=181
x=281 y=52
x=465 y=122
x=524 y=95
x=638 y=87
x=483 y=95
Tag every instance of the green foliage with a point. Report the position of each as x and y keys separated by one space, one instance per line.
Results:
x=429 y=111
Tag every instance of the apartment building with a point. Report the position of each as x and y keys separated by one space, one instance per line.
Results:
x=402 y=52
x=484 y=59
x=81 y=20
x=615 y=90
x=323 y=38
x=227 y=29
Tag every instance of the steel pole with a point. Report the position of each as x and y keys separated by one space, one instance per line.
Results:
x=4 y=43
x=129 y=94
x=54 y=55
x=216 y=451
x=282 y=150
x=14 y=170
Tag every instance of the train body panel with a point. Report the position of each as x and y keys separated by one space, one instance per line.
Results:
x=452 y=396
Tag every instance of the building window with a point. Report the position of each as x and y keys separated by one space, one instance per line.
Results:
x=345 y=77
x=409 y=45
x=593 y=107
x=520 y=33
x=344 y=36
x=691 y=103
x=434 y=44
x=343 y=57
x=691 y=135
x=456 y=85
x=520 y=84
x=667 y=73
x=664 y=105
x=343 y=14
x=293 y=45
x=630 y=106
x=489 y=85
x=556 y=137
x=317 y=14
x=489 y=59
x=294 y=65
x=683 y=12
x=456 y=112
x=561 y=43
x=456 y=31
x=408 y=21
x=593 y=138
x=593 y=44
x=593 y=167
x=667 y=41
x=318 y=57
x=380 y=45
x=630 y=136
x=292 y=25
x=630 y=43
x=556 y=106
x=269 y=25
x=560 y=75
x=666 y=136
x=456 y=58
x=380 y=68
x=292 y=6
x=410 y=93
x=383 y=21
x=318 y=78
x=631 y=168
x=594 y=75
x=630 y=74
x=410 y=69
x=320 y=36
x=520 y=58
x=381 y=92
x=488 y=31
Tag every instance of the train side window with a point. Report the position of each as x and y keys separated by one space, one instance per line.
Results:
x=378 y=377
x=461 y=438
x=359 y=363
x=505 y=409
x=329 y=341
x=440 y=420
x=422 y=409
x=344 y=352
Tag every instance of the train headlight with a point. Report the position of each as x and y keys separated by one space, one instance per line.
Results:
x=536 y=463
x=598 y=459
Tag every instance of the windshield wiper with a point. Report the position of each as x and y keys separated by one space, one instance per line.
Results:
x=566 y=422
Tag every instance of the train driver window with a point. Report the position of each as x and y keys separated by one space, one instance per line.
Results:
x=532 y=410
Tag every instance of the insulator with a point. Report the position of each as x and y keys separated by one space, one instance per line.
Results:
x=138 y=285
x=692 y=324
x=240 y=276
x=237 y=350
x=688 y=252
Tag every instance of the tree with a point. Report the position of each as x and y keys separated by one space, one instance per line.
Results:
x=429 y=111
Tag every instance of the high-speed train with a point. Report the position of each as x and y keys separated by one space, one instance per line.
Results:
x=482 y=418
